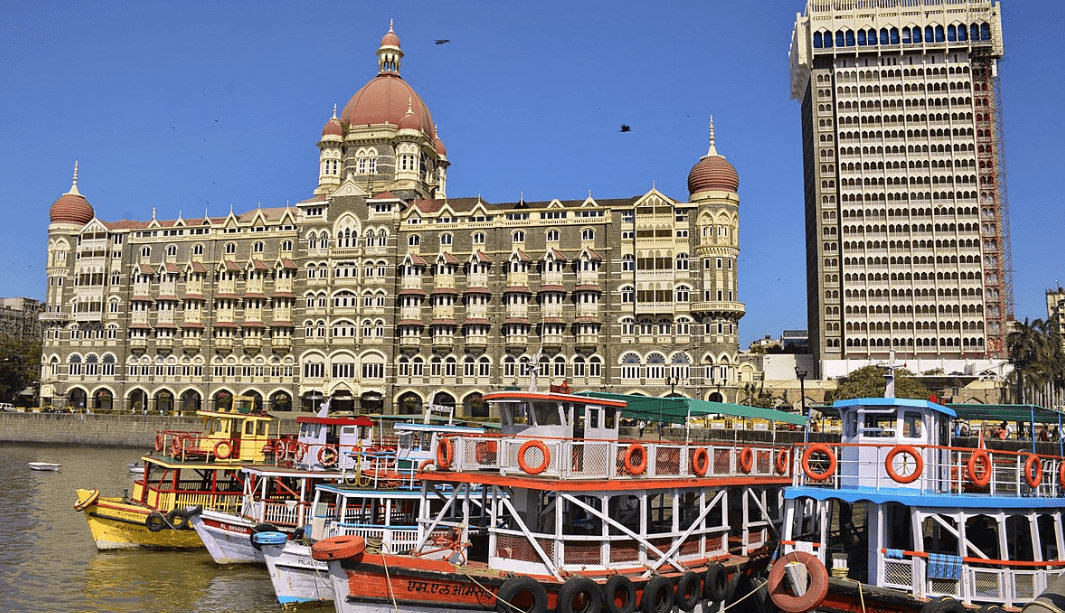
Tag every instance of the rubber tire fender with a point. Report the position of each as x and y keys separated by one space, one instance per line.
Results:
x=715 y=582
x=689 y=591
x=619 y=584
x=178 y=519
x=155 y=521
x=657 y=595
x=573 y=589
x=516 y=586
x=943 y=604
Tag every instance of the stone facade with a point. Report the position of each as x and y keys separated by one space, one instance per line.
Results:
x=383 y=294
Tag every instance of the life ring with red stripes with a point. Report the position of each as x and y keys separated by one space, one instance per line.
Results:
x=159 y=441
x=982 y=476
x=889 y=463
x=782 y=461
x=328 y=456
x=223 y=449
x=781 y=594
x=1033 y=471
x=445 y=454
x=816 y=475
x=636 y=467
x=1061 y=474
x=282 y=452
x=746 y=459
x=545 y=454
x=700 y=462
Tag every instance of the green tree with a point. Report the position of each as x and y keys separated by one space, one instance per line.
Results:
x=756 y=396
x=869 y=382
x=1034 y=348
x=20 y=366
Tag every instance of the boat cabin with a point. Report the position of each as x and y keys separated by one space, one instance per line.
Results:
x=556 y=415
x=328 y=442
x=909 y=429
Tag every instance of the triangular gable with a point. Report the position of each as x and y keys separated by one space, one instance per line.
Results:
x=195 y=267
x=480 y=257
x=520 y=256
x=554 y=254
x=415 y=259
x=590 y=254
x=555 y=204
x=95 y=225
x=447 y=258
x=589 y=203
x=350 y=187
x=654 y=197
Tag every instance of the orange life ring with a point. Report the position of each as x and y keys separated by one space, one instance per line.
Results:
x=175 y=447
x=983 y=477
x=918 y=461
x=81 y=505
x=782 y=461
x=810 y=472
x=700 y=461
x=542 y=466
x=282 y=452
x=1061 y=474
x=746 y=459
x=815 y=594
x=223 y=449
x=1033 y=477
x=159 y=441
x=338 y=547
x=327 y=455
x=445 y=454
x=425 y=464
x=636 y=468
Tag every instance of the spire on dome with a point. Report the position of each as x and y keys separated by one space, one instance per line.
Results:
x=389 y=55
x=334 y=111
x=713 y=149
x=74 y=183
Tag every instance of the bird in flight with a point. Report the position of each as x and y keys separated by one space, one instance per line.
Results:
x=441 y=41
x=625 y=128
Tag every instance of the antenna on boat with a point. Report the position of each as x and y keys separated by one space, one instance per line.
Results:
x=889 y=375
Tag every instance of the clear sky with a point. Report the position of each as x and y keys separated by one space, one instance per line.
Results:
x=193 y=106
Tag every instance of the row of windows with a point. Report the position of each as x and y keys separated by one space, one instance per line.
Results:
x=977 y=342
x=228 y=249
x=976 y=32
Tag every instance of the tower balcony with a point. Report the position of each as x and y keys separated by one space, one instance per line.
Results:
x=736 y=309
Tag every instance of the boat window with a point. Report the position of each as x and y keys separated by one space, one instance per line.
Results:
x=406 y=440
x=593 y=416
x=982 y=534
x=1019 y=539
x=1047 y=540
x=911 y=425
x=546 y=414
x=940 y=535
x=610 y=418
x=900 y=532
x=879 y=424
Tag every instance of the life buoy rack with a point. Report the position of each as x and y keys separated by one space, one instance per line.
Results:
x=338 y=547
x=1033 y=471
x=545 y=455
x=982 y=476
x=918 y=461
x=635 y=467
x=746 y=459
x=328 y=455
x=813 y=596
x=809 y=470
x=782 y=461
x=700 y=462
x=486 y=452
x=223 y=449
x=445 y=454
x=81 y=505
x=159 y=440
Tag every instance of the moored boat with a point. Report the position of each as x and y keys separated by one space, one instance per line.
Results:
x=44 y=466
x=909 y=519
x=557 y=512
x=186 y=469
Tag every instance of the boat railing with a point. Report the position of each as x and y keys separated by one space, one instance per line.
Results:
x=327 y=456
x=388 y=539
x=280 y=512
x=929 y=469
x=514 y=550
x=184 y=446
x=1008 y=582
x=610 y=459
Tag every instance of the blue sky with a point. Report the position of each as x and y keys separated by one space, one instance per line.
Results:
x=195 y=106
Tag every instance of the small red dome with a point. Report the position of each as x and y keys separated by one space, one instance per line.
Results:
x=713 y=173
x=390 y=39
x=71 y=208
x=409 y=121
x=438 y=145
x=333 y=128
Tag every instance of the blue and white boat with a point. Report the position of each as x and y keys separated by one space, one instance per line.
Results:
x=909 y=519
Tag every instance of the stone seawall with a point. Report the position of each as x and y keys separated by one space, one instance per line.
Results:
x=135 y=431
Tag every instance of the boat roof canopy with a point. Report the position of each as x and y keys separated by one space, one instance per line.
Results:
x=676 y=409
x=896 y=402
x=1009 y=412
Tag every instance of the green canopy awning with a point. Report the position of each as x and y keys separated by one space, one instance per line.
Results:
x=1008 y=412
x=677 y=409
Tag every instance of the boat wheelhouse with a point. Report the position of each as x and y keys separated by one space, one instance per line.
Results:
x=901 y=507
x=557 y=509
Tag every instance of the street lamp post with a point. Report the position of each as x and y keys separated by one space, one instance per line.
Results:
x=801 y=374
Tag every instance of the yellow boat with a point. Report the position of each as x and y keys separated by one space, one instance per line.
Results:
x=186 y=469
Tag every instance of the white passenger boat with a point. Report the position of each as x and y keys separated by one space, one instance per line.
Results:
x=557 y=513
x=909 y=520
x=44 y=466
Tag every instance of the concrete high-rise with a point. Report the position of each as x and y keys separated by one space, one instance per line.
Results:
x=907 y=237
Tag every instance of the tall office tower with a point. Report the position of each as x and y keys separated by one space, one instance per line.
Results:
x=907 y=242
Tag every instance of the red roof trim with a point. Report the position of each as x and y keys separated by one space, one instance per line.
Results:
x=517 y=289
x=281 y=324
x=412 y=291
x=476 y=290
x=411 y=322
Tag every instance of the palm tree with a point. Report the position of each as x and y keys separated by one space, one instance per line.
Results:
x=1038 y=357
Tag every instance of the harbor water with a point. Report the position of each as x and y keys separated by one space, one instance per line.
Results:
x=50 y=563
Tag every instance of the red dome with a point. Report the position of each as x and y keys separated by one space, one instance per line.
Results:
x=333 y=128
x=438 y=145
x=713 y=173
x=71 y=208
x=390 y=39
x=386 y=99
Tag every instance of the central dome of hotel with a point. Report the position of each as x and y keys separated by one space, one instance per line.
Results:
x=388 y=98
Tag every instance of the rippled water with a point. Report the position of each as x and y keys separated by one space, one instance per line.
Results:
x=48 y=561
